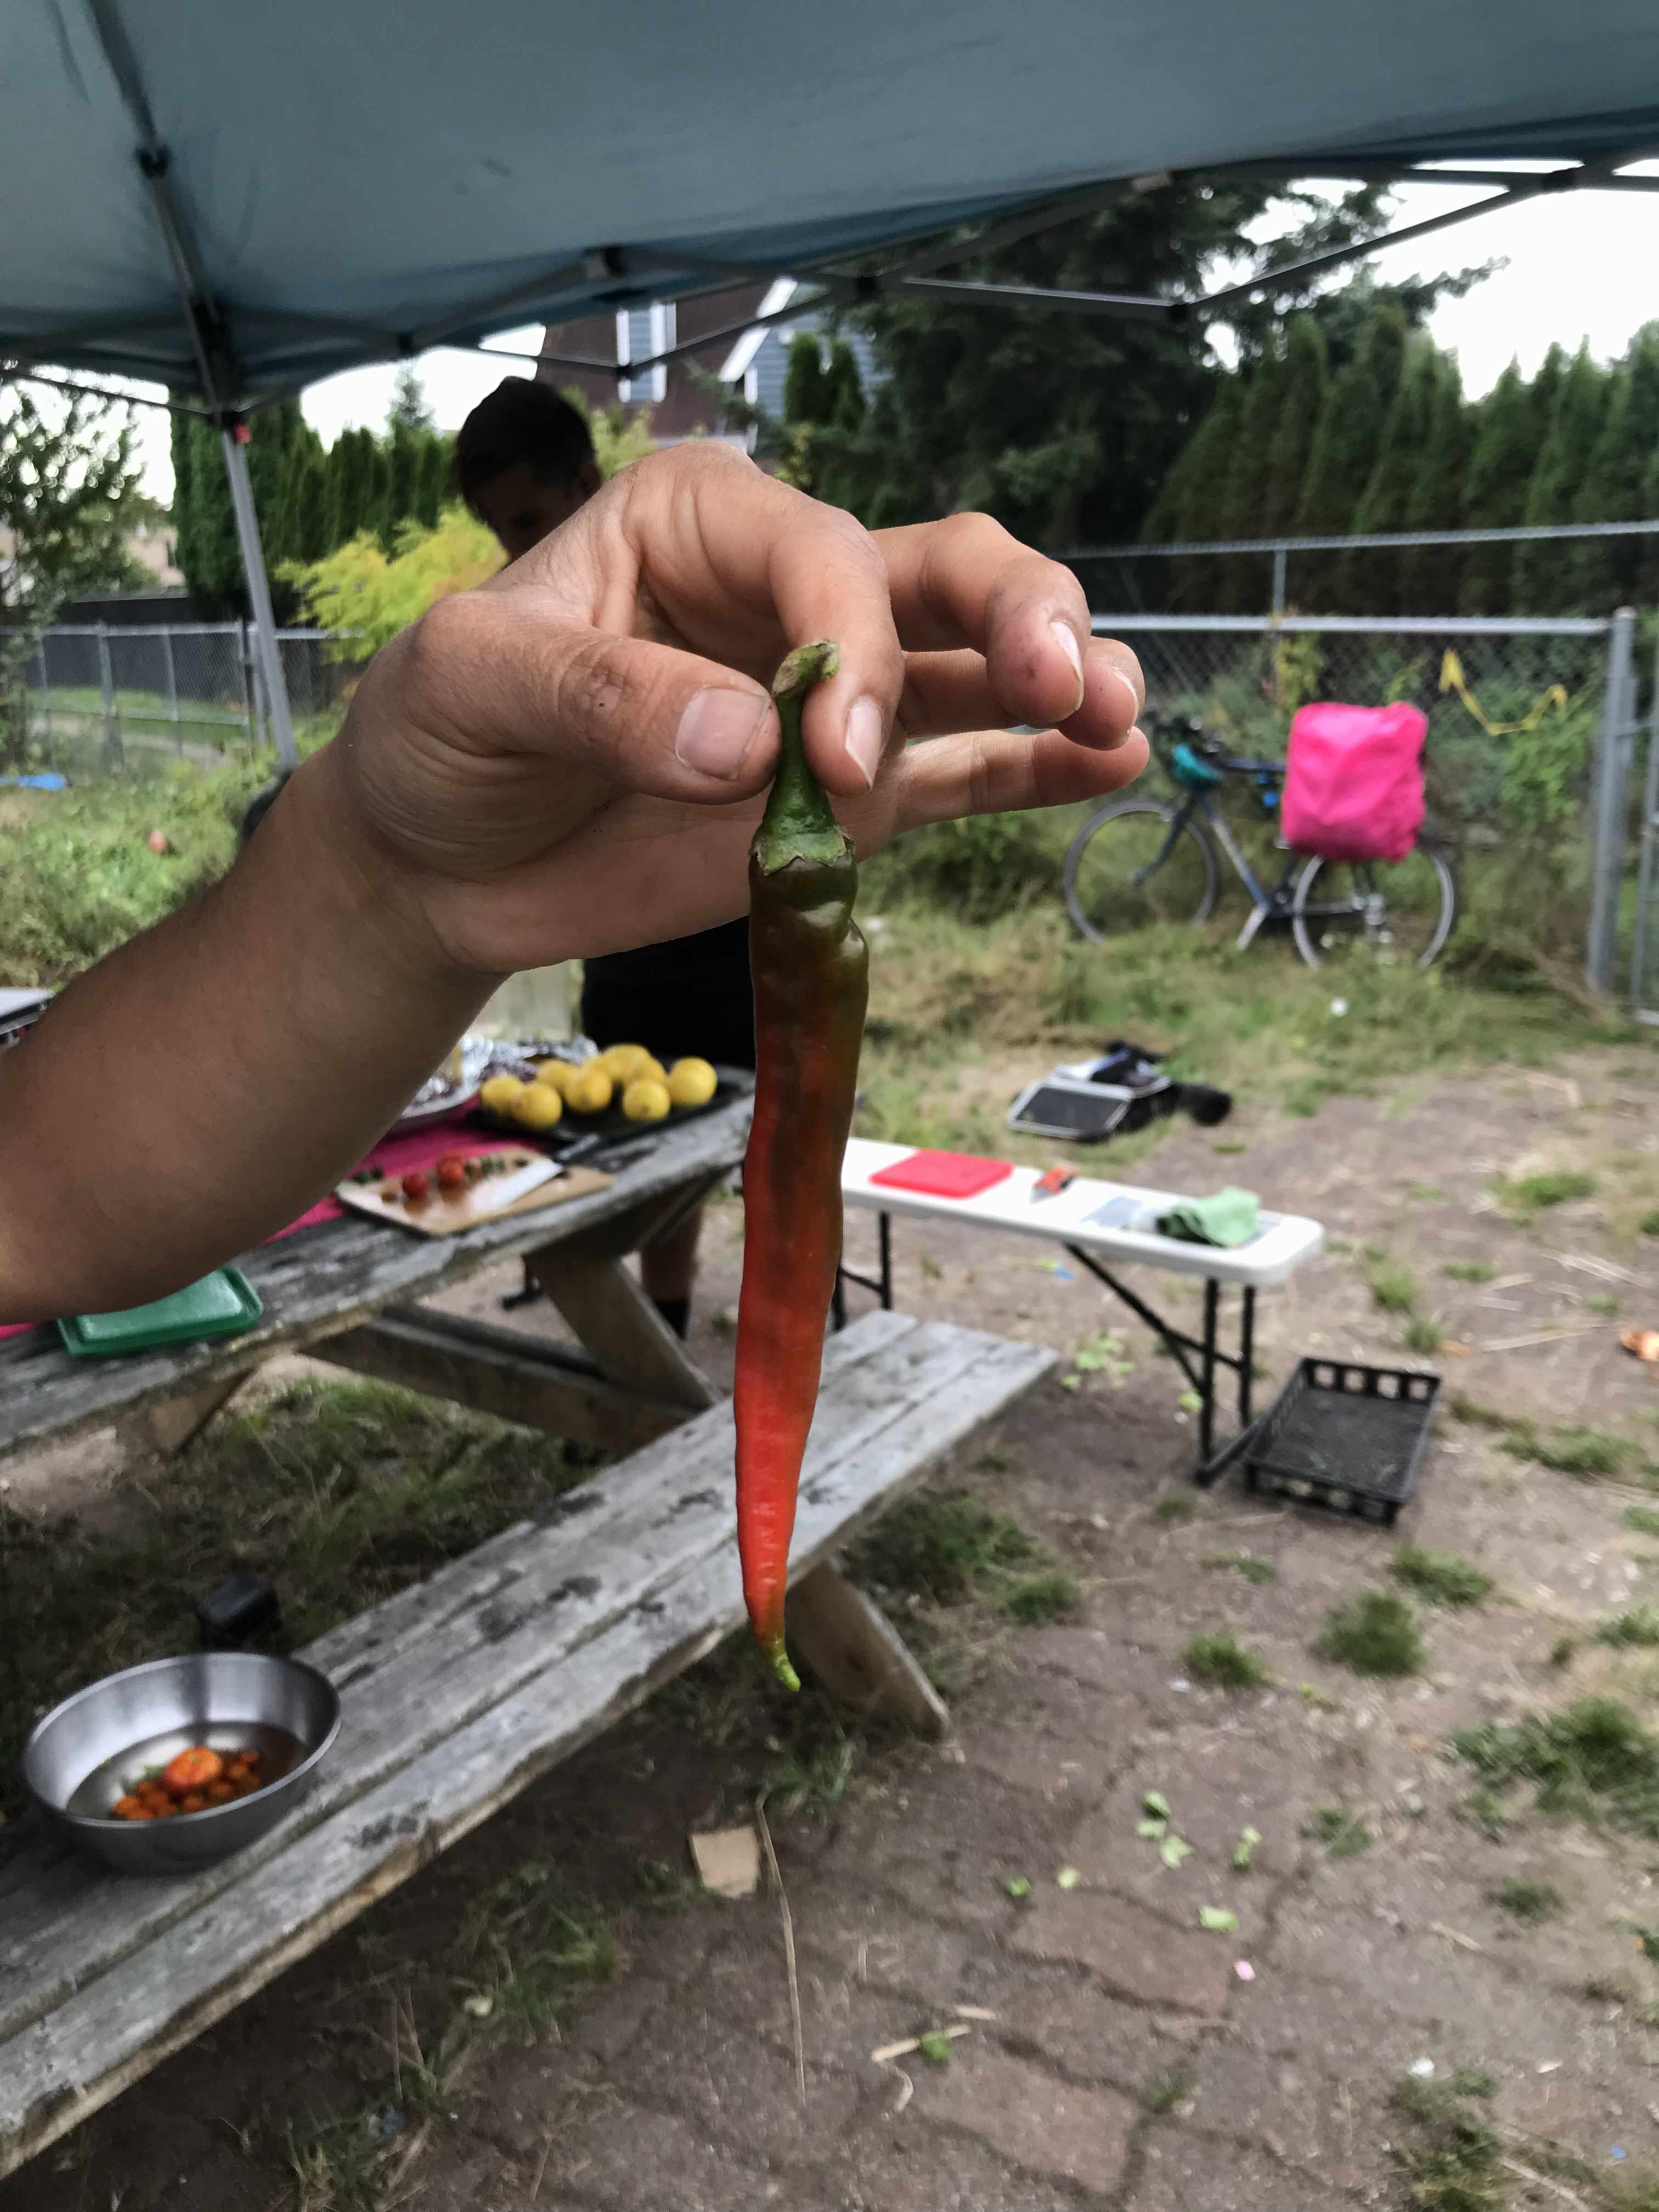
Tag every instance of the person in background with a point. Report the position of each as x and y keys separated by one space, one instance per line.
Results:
x=524 y=463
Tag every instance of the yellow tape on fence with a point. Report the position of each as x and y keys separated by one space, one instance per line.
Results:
x=1451 y=679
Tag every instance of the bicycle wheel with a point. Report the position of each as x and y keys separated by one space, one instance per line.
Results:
x=1137 y=862
x=1390 y=911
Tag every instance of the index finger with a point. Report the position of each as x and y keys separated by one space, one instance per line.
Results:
x=966 y=582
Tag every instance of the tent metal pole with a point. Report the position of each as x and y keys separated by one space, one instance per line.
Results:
x=258 y=592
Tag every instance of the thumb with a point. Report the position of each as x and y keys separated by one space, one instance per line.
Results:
x=509 y=673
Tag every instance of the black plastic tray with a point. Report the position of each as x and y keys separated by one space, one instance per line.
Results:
x=612 y=1128
x=1345 y=1436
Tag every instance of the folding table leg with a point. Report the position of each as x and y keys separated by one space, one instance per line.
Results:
x=1207 y=1388
x=1246 y=1354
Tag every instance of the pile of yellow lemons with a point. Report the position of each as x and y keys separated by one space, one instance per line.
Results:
x=647 y=1091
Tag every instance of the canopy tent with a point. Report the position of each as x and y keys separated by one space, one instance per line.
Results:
x=235 y=202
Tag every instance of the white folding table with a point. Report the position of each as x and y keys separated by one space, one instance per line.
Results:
x=1126 y=1236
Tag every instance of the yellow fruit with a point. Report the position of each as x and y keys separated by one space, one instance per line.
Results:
x=498 y=1094
x=649 y=1071
x=555 y=1074
x=622 y=1062
x=691 y=1083
x=589 y=1090
x=538 y=1106
x=645 y=1100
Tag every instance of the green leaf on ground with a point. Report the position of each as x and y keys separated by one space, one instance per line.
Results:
x=1068 y=1878
x=1217 y=1919
x=1242 y=1849
x=1173 y=1851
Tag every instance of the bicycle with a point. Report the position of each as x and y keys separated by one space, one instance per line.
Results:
x=1143 y=859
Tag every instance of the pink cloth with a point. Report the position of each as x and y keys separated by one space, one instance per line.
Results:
x=1353 y=782
x=392 y=1156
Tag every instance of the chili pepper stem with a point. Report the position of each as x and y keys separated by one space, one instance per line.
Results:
x=799 y=824
x=781 y=1666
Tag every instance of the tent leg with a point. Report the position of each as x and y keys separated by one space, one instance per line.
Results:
x=258 y=592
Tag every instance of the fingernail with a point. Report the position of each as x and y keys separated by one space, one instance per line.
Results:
x=1065 y=638
x=717 y=730
x=866 y=732
x=1131 y=697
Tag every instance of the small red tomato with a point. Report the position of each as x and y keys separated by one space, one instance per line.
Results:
x=192 y=1769
x=416 y=1185
x=452 y=1175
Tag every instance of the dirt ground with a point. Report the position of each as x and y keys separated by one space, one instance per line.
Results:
x=1117 y=2052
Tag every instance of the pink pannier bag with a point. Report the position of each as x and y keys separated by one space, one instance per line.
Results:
x=1353 y=782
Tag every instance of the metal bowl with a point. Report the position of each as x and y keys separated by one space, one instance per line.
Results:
x=88 y=1750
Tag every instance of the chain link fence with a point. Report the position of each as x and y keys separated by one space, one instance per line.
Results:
x=104 y=701
x=1537 y=757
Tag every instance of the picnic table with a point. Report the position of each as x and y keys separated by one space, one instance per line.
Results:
x=348 y=1292
x=462 y=1690
x=1073 y=1219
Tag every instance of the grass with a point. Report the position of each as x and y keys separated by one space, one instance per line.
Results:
x=1343 y=1834
x=1593 y=1761
x=1470 y=1271
x=1451 y=2155
x=949 y=1547
x=1524 y=1197
x=1393 y=1287
x=1243 y=1563
x=1649 y=1225
x=1441 y=1577
x=1530 y=1902
x=1223 y=1664
x=1590 y=1452
x=1167 y=2092
x=1422 y=1336
x=1638 y=1629
x=340 y=1492
x=1374 y=1633
x=1176 y=1508
x=1644 y=1519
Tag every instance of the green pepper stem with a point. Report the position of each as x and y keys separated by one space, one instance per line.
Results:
x=800 y=822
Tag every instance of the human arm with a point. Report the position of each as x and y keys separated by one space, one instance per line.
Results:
x=531 y=772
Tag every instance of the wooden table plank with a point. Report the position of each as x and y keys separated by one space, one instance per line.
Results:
x=233 y=1937
x=327 y=1278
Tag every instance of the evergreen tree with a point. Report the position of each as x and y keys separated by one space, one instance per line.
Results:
x=1430 y=576
x=1368 y=580
x=409 y=410
x=1202 y=472
x=1349 y=436
x=1544 y=392
x=1606 y=572
x=1306 y=380
x=1242 y=584
x=1543 y=583
x=806 y=401
x=843 y=390
x=432 y=483
x=1501 y=463
x=403 y=451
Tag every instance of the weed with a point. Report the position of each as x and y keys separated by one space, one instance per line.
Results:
x=528 y=1946
x=1053 y=1594
x=1169 y=2092
x=1649 y=1225
x=1422 y=1336
x=1569 y=1451
x=1243 y=1563
x=1471 y=1412
x=1644 y=1519
x=943 y=1545
x=1393 y=1287
x=1469 y=1271
x=1375 y=1633
x=1598 y=1990
x=1594 y=1759
x=1343 y=1835
x=1639 y=1627
x=1225 y=1663
x=1526 y=1195
x=1484 y=1810
x=1176 y=1508
x=1600 y=1302
x=1528 y=1901
x=1440 y=1576
x=1452 y=2156
x=1564 y=1651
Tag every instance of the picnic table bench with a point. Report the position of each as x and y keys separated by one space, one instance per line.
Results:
x=1071 y=1219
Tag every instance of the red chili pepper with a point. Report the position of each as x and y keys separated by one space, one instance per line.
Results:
x=811 y=972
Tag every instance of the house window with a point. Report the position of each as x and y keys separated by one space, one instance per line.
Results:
x=641 y=333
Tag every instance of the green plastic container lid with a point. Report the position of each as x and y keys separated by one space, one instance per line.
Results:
x=223 y=1303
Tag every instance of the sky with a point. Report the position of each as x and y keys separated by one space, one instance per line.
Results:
x=1580 y=266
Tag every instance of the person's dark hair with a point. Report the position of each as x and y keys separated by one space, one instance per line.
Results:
x=520 y=421
x=259 y=806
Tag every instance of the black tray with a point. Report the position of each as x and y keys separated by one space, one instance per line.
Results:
x=1345 y=1436
x=612 y=1128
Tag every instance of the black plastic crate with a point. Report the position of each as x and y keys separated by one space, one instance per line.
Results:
x=1345 y=1436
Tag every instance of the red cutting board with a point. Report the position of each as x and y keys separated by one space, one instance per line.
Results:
x=944 y=1174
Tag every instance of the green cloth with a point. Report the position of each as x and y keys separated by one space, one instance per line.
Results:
x=1231 y=1217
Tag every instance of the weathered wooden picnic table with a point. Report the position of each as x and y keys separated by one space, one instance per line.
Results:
x=350 y=1292
x=460 y=1690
